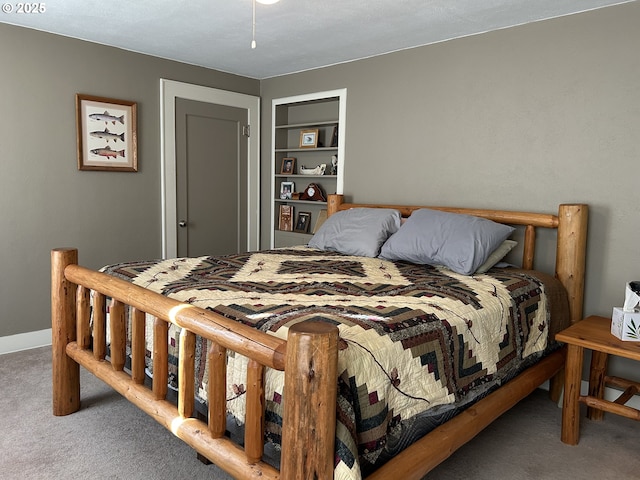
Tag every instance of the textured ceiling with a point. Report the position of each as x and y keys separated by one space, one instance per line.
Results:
x=291 y=36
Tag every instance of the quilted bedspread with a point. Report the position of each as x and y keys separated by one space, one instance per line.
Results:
x=417 y=343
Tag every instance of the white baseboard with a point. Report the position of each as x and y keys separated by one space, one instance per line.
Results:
x=25 y=341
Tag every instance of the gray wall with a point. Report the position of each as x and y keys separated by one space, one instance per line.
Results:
x=45 y=202
x=523 y=118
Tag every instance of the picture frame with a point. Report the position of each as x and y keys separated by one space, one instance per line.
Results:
x=303 y=221
x=286 y=190
x=334 y=137
x=288 y=166
x=285 y=219
x=322 y=217
x=309 y=138
x=106 y=134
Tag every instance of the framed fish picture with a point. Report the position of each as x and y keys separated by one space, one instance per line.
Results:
x=106 y=134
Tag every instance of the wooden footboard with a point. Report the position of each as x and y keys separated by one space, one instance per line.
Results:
x=308 y=358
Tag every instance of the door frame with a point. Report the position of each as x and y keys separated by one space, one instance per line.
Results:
x=169 y=91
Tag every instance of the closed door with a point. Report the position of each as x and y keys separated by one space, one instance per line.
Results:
x=211 y=172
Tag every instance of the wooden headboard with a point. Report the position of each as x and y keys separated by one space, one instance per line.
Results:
x=570 y=222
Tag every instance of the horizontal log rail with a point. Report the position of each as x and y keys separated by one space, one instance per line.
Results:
x=530 y=220
x=266 y=349
x=534 y=219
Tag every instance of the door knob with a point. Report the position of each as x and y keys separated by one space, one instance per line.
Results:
x=182 y=223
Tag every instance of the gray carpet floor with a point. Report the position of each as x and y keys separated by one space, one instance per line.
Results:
x=523 y=444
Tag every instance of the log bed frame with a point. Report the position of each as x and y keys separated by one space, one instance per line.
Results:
x=308 y=358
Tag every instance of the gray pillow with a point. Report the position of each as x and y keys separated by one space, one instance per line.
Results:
x=357 y=231
x=460 y=242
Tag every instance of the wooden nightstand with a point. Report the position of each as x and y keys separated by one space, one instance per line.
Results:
x=594 y=333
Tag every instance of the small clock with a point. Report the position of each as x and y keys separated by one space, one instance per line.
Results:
x=313 y=192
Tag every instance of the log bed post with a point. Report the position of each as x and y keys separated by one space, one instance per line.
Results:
x=310 y=394
x=333 y=202
x=570 y=269
x=571 y=254
x=66 y=372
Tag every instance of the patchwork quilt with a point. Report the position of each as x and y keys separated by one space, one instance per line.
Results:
x=417 y=343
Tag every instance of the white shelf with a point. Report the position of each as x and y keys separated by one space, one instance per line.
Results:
x=305 y=125
x=298 y=149
x=308 y=202
x=303 y=175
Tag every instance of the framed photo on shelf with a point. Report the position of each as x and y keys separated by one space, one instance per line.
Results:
x=309 y=138
x=285 y=220
x=106 y=137
x=334 y=137
x=302 y=222
x=322 y=217
x=286 y=190
x=288 y=166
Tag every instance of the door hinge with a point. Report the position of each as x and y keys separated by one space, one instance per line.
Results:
x=246 y=130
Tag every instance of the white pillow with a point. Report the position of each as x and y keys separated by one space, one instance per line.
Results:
x=497 y=255
x=357 y=231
